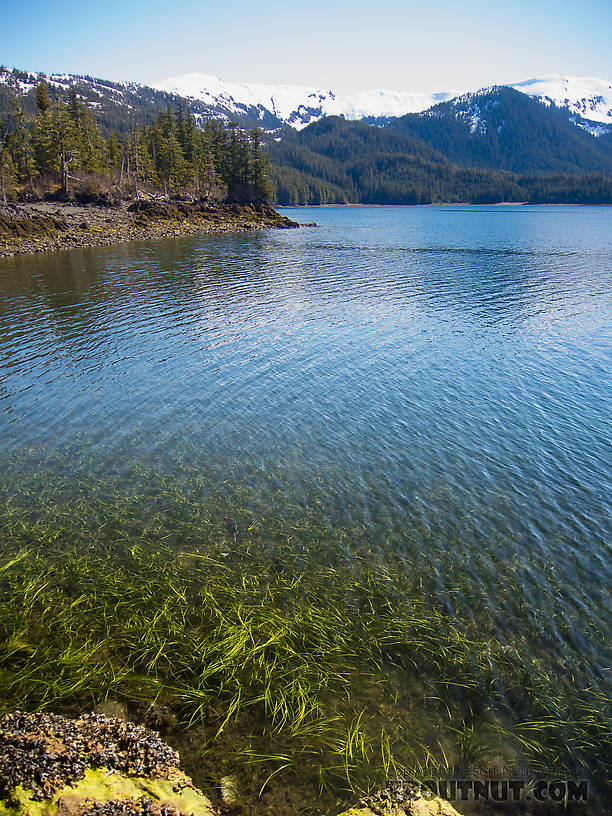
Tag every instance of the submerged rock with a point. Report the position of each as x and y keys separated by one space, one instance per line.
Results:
x=51 y=765
x=229 y=791
x=422 y=807
x=111 y=708
x=401 y=799
x=418 y=807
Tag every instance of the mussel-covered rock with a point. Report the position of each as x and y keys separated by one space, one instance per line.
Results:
x=401 y=799
x=51 y=765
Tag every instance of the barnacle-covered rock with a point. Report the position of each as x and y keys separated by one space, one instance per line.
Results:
x=401 y=799
x=51 y=765
x=418 y=807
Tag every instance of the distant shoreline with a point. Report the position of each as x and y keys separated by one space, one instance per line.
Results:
x=50 y=226
x=435 y=204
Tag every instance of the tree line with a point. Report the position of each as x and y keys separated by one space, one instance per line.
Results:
x=51 y=145
x=61 y=151
x=336 y=161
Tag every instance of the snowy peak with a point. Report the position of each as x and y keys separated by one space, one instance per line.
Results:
x=491 y=108
x=588 y=97
x=281 y=100
x=297 y=105
x=25 y=81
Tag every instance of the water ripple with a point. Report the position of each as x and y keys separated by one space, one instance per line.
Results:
x=438 y=381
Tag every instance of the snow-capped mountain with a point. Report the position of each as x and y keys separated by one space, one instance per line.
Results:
x=25 y=81
x=296 y=105
x=588 y=98
x=501 y=128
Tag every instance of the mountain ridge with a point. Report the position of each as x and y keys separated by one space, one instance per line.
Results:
x=495 y=144
x=502 y=129
x=587 y=99
x=338 y=161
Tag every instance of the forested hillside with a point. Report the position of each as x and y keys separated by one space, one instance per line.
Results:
x=119 y=106
x=504 y=129
x=60 y=150
x=86 y=139
x=335 y=161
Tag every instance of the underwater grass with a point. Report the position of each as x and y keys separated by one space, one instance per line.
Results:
x=292 y=656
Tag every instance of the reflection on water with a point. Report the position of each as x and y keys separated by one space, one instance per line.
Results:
x=436 y=381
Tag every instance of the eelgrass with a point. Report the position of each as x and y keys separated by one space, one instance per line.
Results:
x=293 y=656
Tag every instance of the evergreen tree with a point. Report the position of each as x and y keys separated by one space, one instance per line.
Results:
x=21 y=145
x=259 y=169
x=86 y=136
x=112 y=153
x=208 y=177
x=8 y=174
x=65 y=142
x=43 y=103
x=171 y=155
x=43 y=141
x=141 y=161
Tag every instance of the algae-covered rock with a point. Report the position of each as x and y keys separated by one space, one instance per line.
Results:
x=107 y=793
x=418 y=807
x=112 y=708
x=51 y=765
x=412 y=804
x=229 y=791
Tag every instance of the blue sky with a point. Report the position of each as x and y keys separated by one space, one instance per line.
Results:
x=348 y=46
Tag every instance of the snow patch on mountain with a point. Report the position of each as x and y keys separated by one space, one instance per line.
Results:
x=25 y=81
x=593 y=129
x=588 y=97
x=298 y=105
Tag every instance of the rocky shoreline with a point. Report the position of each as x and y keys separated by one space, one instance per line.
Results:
x=50 y=226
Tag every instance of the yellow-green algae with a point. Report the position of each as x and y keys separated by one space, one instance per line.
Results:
x=102 y=785
x=419 y=807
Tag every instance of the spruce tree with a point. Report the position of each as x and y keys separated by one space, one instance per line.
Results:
x=112 y=153
x=43 y=141
x=43 y=103
x=21 y=145
x=65 y=142
x=259 y=169
x=8 y=171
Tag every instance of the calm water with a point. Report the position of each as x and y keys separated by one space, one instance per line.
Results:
x=436 y=383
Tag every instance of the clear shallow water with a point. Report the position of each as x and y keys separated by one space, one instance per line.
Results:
x=433 y=384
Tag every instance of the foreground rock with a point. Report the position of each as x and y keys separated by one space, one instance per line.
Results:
x=419 y=807
x=47 y=226
x=98 y=765
x=401 y=799
x=51 y=765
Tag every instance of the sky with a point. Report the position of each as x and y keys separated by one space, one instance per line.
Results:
x=346 y=46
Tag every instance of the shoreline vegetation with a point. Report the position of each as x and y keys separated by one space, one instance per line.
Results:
x=65 y=184
x=103 y=764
